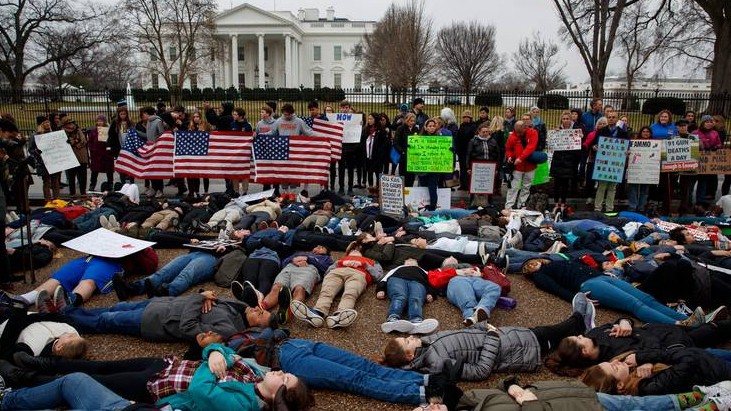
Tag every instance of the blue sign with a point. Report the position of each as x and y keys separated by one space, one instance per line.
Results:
x=611 y=159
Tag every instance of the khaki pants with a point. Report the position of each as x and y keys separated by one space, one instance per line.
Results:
x=162 y=219
x=350 y=280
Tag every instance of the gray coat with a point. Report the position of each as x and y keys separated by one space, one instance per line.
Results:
x=180 y=318
x=155 y=128
x=479 y=352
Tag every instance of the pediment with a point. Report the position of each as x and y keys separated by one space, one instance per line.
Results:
x=248 y=15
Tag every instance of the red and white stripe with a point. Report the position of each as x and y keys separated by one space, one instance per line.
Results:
x=333 y=131
x=156 y=161
x=309 y=162
x=229 y=156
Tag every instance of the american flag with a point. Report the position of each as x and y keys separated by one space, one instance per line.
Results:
x=334 y=131
x=294 y=159
x=140 y=159
x=215 y=154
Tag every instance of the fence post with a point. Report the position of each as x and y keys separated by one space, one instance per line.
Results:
x=109 y=109
x=45 y=99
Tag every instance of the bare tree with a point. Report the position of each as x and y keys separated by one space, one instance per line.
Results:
x=24 y=28
x=469 y=50
x=398 y=52
x=537 y=60
x=176 y=34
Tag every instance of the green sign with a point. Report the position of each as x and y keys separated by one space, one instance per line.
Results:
x=430 y=154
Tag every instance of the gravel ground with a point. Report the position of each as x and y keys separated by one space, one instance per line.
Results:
x=534 y=308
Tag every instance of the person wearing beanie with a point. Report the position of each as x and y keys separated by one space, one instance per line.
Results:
x=418 y=109
x=102 y=159
x=466 y=131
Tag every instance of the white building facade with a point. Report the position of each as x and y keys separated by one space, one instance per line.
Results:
x=273 y=49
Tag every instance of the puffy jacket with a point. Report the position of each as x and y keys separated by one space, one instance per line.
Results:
x=688 y=367
x=709 y=140
x=663 y=131
x=646 y=337
x=483 y=149
x=514 y=149
x=565 y=164
x=552 y=395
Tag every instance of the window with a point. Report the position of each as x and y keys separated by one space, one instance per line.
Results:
x=242 y=80
x=173 y=80
x=155 y=81
x=193 y=81
x=241 y=53
x=153 y=55
x=337 y=80
x=317 y=80
x=266 y=53
x=317 y=53
x=357 y=81
x=173 y=53
x=213 y=54
x=213 y=80
x=338 y=53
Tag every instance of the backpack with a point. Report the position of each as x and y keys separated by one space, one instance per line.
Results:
x=228 y=267
x=142 y=263
x=492 y=273
x=537 y=201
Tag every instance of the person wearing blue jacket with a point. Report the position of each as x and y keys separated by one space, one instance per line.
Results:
x=664 y=128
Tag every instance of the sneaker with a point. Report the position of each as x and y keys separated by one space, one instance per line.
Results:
x=345 y=228
x=579 y=303
x=694 y=320
x=481 y=314
x=377 y=228
x=103 y=221
x=317 y=229
x=507 y=265
x=44 y=304
x=247 y=293
x=723 y=403
x=312 y=316
x=719 y=389
x=274 y=224
x=683 y=309
x=6 y=300
x=719 y=314
x=482 y=251
x=396 y=324
x=427 y=326
x=284 y=299
x=120 y=287
x=341 y=318
x=59 y=299
x=113 y=223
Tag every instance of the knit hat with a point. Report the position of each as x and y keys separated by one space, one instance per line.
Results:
x=467 y=113
x=403 y=108
x=705 y=118
x=41 y=119
x=67 y=120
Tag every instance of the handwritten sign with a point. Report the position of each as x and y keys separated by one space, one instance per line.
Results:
x=104 y=243
x=352 y=125
x=680 y=154
x=643 y=164
x=715 y=162
x=391 y=195
x=564 y=140
x=430 y=154
x=418 y=197
x=102 y=134
x=250 y=198
x=611 y=157
x=482 y=177
x=56 y=153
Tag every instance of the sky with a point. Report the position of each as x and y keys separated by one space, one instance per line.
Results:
x=513 y=20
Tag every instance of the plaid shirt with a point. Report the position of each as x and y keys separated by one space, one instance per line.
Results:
x=176 y=377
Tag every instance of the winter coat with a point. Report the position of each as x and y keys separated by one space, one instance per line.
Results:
x=516 y=149
x=645 y=337
x=401 y=139
x=552 y=395
x=478 y=352
x=663 y=131
x=464 y=135
x=102 y=160
x=709 y=140
x=79 y=144
x=589 y=119
x=481 y=149
x=381 y=146
x=222 y=121
x=154 y=128
x=115 y=136
x=565 y=164
x=688 y=367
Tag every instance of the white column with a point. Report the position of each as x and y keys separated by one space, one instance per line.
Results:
x=298 y=66
x=287 y=61
x=262 y=68
x=225 y=81
x=234 y=60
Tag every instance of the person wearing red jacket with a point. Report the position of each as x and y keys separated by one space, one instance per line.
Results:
x=521 y=144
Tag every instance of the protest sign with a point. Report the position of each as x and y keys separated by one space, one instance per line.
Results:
x=392 y=195
x=680 y=154
x=102 y=134
x=56 y=153
x=482 y=177
x=611 y=157
x=715 y=162
x=352 y=125
x=418 y=197
x=430 y=154
x=249 y=198
x=643 y=164
x=104 y=243
x=564 y=140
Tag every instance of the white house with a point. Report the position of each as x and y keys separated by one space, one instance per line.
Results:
x=279 y=49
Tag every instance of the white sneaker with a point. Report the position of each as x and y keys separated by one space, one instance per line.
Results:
x=342 y=318
x=723 y=403
x=401 y=326
x=345 y=228
x=113 y=223
x=719 y=389
x=104 y=222
x=427 y=326
x=378 y=228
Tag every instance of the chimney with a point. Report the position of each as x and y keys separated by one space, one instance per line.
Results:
x=301 y=14
x=312 y=14
x=331 y=13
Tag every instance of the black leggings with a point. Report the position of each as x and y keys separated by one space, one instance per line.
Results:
x=77 y=174
x=549 y=336
x=260 y=272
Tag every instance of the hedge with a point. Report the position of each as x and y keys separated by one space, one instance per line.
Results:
x=657 y=104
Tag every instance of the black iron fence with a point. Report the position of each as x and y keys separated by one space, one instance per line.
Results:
x=84 y=105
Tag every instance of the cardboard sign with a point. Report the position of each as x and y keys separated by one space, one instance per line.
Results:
x=104 y=243
x=430 y=154
x=482 y=177
x=56 y=152
x=256 y=196
x=391 y=193
x=715 y=162
x=611 y=157
x=418 y=197
x=102 y=134
x=352 y=125
x=643 y=164
x=680 y=154
x=564 y=140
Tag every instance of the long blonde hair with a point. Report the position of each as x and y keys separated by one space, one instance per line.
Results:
x=496 y=124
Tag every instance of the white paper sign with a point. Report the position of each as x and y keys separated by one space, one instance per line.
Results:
x=104 y=243
x=257 y=196
x=56 y=153
x=392 y=195
x=418 y=197
x=643 y=164
x=102 y=134
x=564 y=140
x=482 y=177
x=352 y=125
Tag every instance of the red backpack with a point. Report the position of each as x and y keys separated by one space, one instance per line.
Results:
x=143 y=262
x=492 y=273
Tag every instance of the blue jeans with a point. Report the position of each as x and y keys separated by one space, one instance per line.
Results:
x=322 y=365
x=582 y=225
x=629 y=402
x=468 y=293
x=185 y=271
x=621 y=295
x=405 y=293
x=77 y=391
x=637 y=196
x=121 y=318
x=454 y=213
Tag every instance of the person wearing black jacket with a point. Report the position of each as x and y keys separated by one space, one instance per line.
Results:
x=401 y=142
x=467 y=130
x=222 y=121
x=375 y=144
x=565 y=165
